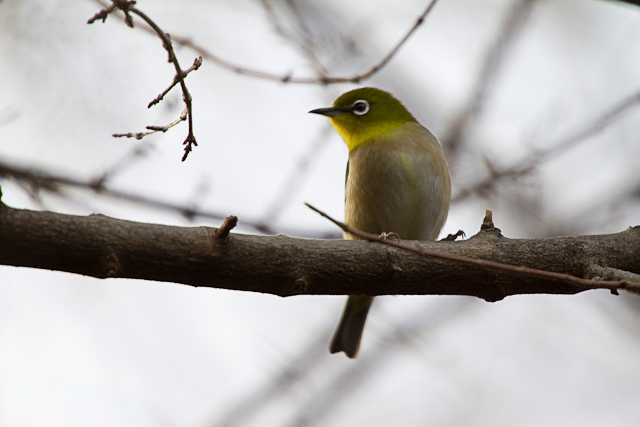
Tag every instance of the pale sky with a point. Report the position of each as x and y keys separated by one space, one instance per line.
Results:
x=78 y=351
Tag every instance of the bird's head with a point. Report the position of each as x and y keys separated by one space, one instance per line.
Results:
x=363 y=114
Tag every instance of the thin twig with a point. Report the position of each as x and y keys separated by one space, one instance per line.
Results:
x=612 y=285
x=196 y=64
x=223 y=231
x=151 y=129
x=128 y=8
x=596 y=271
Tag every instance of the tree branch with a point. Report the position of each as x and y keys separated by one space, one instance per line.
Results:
x=488 y=265
x=128 y=8
x=105 y=247
x=288 y=77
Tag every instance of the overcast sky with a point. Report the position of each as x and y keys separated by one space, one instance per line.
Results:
x=77 y=351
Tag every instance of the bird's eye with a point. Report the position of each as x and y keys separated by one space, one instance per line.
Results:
x=360 y=107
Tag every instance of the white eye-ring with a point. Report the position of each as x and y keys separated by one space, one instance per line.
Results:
x=360 y=107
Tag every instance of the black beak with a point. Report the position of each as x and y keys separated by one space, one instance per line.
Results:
x=329 y=112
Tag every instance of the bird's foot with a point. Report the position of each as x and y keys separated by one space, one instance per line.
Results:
x=389 y=236
x=453 y=237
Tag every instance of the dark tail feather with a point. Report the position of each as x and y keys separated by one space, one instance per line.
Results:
x=347 y=336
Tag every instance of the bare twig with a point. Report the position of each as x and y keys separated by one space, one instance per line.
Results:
x=102 y=15
x=151 y=129
x=128 y=8
x=223 y=231
x=289 y=78
x=596 y=271
x=612 y=285
x=196 y=64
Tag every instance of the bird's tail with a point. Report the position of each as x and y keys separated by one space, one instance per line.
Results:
x=347 y=336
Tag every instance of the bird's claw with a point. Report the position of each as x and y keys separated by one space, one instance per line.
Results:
x=389 y=236
x=453 y=237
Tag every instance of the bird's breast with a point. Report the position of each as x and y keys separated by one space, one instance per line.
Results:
x=399 y=184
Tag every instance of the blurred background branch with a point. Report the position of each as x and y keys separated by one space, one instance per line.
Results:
x=540 y=155
x=40 y=180
x=513 y=24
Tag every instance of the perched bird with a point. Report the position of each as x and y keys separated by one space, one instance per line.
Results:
x=397 y=182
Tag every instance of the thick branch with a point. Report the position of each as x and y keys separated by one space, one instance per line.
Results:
x=105 y=247
x=488 y=265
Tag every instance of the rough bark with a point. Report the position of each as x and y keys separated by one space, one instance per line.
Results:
x=104 y=247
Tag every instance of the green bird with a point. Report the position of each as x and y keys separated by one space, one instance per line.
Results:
x=397 y=183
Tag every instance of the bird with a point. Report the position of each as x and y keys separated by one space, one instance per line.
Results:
x=397 y=184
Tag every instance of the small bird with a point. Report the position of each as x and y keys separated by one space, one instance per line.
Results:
x=397 y=183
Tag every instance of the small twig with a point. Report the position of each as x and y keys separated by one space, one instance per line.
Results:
x=579 y=282
x=196 y=64
x=151 y=129
x=596 y=271
x=102 y=14
x=487 y=222
x=288 y=77
x=127 y=7
x=123 y=5
x=228 y=224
